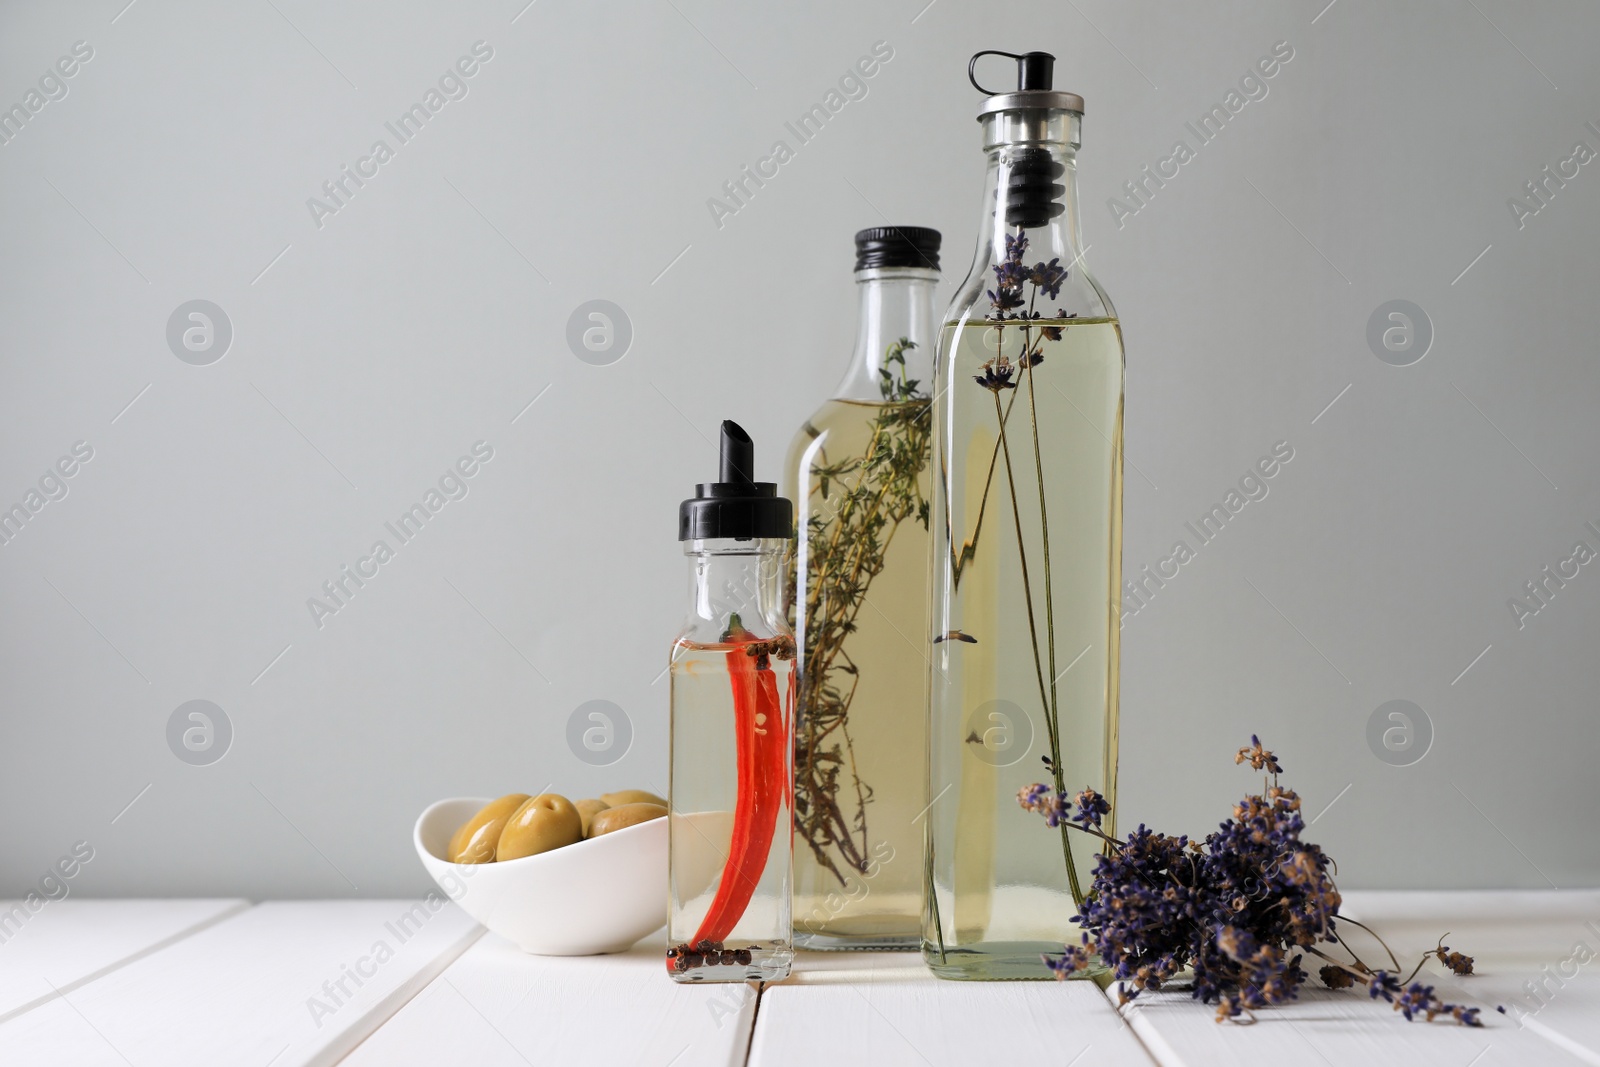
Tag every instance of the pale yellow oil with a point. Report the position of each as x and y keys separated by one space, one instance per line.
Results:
x=705 y=796
x=864 y=624
x=1001 y=893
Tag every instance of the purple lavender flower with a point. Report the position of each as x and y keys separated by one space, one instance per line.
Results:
x=1007 y=297
x=1258 y=756
x=1264 y=978
x=1383 y=984
x=1456 y=961
x=1046 y=801
x=1009 y=275
x=1092 y=807
x=1418 y=999
x=996 y=375
x=1074 y=958
x=1031 y=797
x=1048 y=277
x=1053 y=333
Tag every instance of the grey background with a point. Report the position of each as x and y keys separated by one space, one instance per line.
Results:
x=370 y=354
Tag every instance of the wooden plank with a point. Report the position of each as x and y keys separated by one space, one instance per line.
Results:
x=1506 y=932
x=499 y=1007
x=146 y=986
x=283 y=984
x=886 y=1008
x=1537 y=953
x=1558 y=1002
x=1328 y=1027
x=1503 y=926
x=65 y=944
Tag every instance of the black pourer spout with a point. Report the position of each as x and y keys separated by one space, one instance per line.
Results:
x=737 y=460
x=1035 y=71
x=735 y=505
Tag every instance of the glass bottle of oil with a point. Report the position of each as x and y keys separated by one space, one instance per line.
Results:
x=731 y=786
x=1027 y=532
x=858 y=472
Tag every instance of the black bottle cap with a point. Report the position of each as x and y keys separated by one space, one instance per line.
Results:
x=1035 y=71
x=897 y=246
x=735 y=505
x=1035 y=84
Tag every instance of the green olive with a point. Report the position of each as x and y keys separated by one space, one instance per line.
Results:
x=624 y=815
x=632 y=796
x=476 y=840
x=547 y=821
x=588 y=809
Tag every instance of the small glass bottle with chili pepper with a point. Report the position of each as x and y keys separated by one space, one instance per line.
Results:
x=732 y=732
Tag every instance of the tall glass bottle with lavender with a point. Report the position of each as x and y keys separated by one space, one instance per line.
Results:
x=1027 y=515
x=858 y=473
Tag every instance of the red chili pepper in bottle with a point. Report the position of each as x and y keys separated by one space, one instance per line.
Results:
x=761 y=740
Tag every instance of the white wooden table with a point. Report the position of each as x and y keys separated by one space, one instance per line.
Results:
x=368 y=983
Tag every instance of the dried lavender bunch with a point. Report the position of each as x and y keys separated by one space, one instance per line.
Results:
x=1241 y=909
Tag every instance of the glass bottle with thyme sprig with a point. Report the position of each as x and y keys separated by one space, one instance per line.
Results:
x=858 y=472
x=1027 y=516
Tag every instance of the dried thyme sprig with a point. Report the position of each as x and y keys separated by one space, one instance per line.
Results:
x=866 y=498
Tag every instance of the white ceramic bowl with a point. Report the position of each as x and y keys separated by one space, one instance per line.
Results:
x=599 y=895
